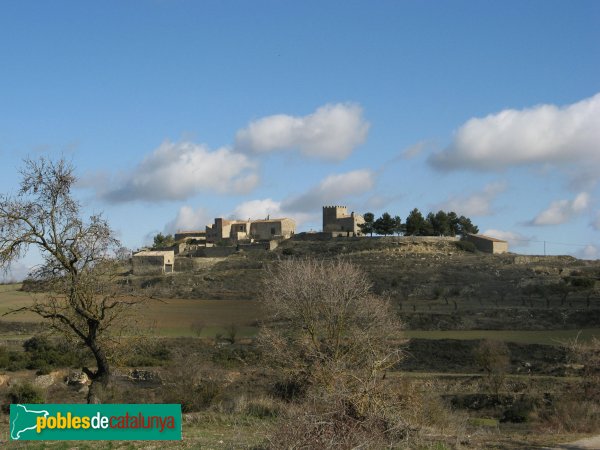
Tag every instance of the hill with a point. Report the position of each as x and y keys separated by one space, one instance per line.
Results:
x=434 y=282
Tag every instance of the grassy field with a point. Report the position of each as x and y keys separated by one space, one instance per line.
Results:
x=175 y=317
x=547 y=337
x=11 y=297
x=168 y=317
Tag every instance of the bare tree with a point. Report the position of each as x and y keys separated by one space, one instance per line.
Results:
x=83 y=302
x=330 y=331
x=494 y=358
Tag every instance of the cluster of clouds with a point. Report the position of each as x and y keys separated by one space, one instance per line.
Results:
x=180 y=170
x=542 y=135
x=332 y=132
x=304 y=208
x=545 y=137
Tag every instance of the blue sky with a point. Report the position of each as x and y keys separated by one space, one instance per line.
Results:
x=175 y=111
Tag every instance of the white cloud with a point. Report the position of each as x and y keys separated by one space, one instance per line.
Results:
x=332 y=190
x=261 y=208
x=332 y=132
x=305 y=209
x=589 y=252
x=257 y=209
x=561 y=211
x=476 y=204
x=16 y=272
x=189 y=219
x=513 y=238
x=544 y=134
x=175 y=171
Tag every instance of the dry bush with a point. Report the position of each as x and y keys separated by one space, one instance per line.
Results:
x=261 y=407
x=405 y=418
x=572 y=416
x=333 y=325
x=319 y=424
x=186 y=384
x=335 y=340
x=494 y=358
x=587 y=353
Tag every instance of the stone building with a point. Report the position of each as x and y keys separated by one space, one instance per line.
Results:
x=182 y=236
x=338 y=222
x=487 y=244
x=247 y=230
x=153 y=262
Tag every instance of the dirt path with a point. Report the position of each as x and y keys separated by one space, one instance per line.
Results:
x=588 y=443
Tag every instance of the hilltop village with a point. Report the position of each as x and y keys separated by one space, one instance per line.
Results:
x=225 y=237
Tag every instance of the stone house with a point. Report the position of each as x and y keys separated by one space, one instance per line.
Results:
x=338 y=222
x=247 y=230
x=487 y=244
x=153 y=262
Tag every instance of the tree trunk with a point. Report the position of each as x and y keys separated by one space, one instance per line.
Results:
x=99 y=378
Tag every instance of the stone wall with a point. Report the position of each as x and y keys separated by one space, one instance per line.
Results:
x=148 y=265
x=214 y=252
x=187 y=264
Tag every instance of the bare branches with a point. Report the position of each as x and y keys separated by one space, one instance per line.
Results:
x=44 y=214
x=334 y=326
x=335 y=340
x=83 y=301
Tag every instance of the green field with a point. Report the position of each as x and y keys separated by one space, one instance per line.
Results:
x=11 y=297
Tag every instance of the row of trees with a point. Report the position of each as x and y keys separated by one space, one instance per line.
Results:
x=438 y=224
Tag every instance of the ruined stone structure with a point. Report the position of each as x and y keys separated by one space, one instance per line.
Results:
x=182 y=236
x=153 y=262
x=487 y=244
x=337 y=221
x=248 y=230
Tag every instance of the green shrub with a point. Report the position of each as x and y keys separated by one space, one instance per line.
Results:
x=17 y=361
x=37 y=344
x=146 y=354
x=4 y=357
x=43 y=354
x=24 y=393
